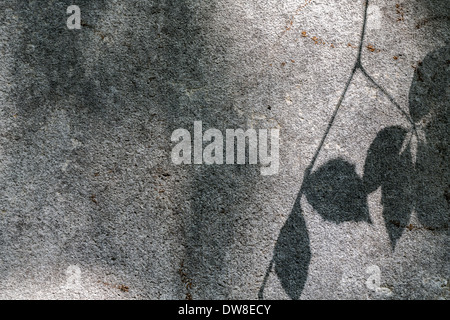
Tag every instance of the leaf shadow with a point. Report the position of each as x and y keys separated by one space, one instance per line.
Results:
x=392 y=170
x=292 y=253
x=337 y=193
x=429 y=97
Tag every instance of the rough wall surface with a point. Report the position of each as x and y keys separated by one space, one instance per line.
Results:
x=92 y=207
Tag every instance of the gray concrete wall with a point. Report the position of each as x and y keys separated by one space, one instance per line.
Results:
x=92 y=207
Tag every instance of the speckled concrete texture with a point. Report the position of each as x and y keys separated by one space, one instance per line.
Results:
x=92 y=207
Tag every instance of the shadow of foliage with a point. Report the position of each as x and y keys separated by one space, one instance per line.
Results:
x=388 y=167
x=429 y=98
x=412 y=171
x=410 y=165
x=337 y=193
x=292 y=254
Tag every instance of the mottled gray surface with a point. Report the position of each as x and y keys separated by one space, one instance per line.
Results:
x=86 y=178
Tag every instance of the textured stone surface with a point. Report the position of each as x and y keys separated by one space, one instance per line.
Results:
x=88 y=190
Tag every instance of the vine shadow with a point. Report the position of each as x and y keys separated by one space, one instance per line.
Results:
x=409 y=164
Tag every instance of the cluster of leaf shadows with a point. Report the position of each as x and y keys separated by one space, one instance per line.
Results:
x=410 y=165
